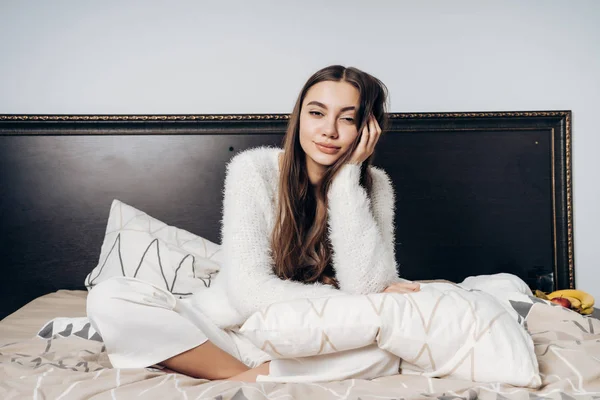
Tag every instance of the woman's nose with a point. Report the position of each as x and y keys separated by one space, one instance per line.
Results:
x=329 y=128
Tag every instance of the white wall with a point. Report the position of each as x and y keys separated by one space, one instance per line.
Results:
x=181 y=57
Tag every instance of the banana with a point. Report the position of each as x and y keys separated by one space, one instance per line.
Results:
x=587 y=311
x=541 y=295
x=586 y=299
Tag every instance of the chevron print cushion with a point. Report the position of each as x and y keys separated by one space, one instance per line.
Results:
x=443 y=331
x=137 y=245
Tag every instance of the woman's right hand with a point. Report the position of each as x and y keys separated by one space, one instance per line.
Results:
x=403 y=287
x=368 y=139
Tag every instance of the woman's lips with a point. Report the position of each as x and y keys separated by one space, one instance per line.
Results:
x=327 y=150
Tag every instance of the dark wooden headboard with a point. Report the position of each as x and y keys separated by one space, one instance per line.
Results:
x=477 y=193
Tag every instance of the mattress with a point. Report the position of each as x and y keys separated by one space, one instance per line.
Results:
x=72 y=367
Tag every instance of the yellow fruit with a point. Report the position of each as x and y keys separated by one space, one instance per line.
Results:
x=587 y=311
x=541 y=295
x=575 y=303
x=586 y=299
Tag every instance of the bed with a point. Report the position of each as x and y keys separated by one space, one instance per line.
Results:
x=477 y=193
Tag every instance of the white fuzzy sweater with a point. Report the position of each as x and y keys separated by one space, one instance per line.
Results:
x=361 y=235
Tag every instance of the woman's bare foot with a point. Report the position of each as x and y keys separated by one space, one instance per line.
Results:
x=251 y=374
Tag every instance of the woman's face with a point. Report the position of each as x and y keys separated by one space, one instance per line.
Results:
x=327 y=123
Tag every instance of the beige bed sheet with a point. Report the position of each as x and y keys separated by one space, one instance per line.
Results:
x=27 y=321
x=567 y=345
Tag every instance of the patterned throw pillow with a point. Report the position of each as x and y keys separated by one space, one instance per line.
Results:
x=137 y=245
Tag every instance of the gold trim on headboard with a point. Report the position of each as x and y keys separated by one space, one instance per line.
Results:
x=232 y=117
x=248 y=117
x=570 y=246
x=483 y=114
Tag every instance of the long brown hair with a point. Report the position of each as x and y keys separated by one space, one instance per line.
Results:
x=300 y=244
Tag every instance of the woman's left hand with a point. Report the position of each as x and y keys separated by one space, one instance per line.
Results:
x=368 y=140
x=403 y=287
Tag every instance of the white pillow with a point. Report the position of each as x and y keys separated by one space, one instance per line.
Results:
x=497 y=283
x=137 y=245
x=441 y=331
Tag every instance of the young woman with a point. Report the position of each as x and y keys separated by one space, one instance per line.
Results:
x=313 y=219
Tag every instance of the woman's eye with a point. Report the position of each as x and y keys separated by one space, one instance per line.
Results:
x=317 y=113
x=349 y=119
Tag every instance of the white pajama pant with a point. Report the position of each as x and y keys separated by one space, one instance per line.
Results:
x=142 y=325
